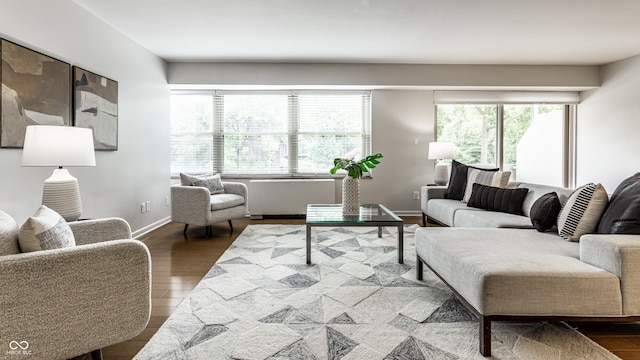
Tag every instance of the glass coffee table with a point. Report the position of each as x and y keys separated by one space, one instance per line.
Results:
x=370 y=215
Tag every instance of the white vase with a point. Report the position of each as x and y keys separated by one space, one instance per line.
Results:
x=350 y=196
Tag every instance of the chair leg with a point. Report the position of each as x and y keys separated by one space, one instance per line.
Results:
x=96 y=354
x=230 y=226
x=209 y=231
x=184 y=232
x=419 y=268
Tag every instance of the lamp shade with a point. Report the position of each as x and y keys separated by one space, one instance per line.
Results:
x=441 y=150
x=46 y=145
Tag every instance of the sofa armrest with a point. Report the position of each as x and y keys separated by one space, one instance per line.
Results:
x=190 y=204
x=70 y=301
x=430 y=192
x=98 y=230
x=619 y=255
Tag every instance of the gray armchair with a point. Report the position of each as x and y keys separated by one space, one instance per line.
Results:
x=58 y=304
x=196 y=205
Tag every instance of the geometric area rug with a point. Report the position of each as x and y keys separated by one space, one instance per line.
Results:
x=262 y=301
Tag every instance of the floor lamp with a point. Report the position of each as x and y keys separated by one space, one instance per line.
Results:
x=440 y=151
x=59 y=146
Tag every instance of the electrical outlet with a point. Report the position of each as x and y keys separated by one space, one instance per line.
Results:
x=142 y=208
x=416 y=195
x=147 y=206
x=166 y=201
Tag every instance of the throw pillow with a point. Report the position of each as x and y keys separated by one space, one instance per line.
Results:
x=491 y=178
x=498 y=199
x=544 y=212
x=581 y=213
x=210 y=181
x=458 y=180
x=622 y=216
x=45 y=230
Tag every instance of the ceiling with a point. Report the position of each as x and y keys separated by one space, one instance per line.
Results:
x=539 y=32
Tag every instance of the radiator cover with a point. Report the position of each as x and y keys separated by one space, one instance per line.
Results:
x=288 y=196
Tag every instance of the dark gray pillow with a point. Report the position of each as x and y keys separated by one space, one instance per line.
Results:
x=458 y=180
x=497 y=199
x=622 y=216
x=544 y=212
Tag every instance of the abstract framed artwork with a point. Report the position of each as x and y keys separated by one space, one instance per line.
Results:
x=95 y=106
x=36 y=90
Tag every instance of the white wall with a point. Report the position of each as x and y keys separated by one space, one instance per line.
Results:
x=439 y=77
x=398 y=118
x=609 y=125
x=139 y=170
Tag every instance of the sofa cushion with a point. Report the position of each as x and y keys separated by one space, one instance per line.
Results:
x=8 y=235
x=211 y=181
x=225 y=201
x=458 y=180
x=490 y=219
x=544 y=212
x=519 y=272
x=45 y=230
x=444 y=210
x=497 y=199
x=537 y=190
x=491 y=178
x=581 y=214
x=622 y=216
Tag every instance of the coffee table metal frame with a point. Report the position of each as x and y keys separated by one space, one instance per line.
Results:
x=370 y=215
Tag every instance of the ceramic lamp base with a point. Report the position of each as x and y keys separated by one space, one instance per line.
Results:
x=61 y=193
x=441 y=173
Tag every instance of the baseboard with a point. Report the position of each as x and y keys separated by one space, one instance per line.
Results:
x=149 y=228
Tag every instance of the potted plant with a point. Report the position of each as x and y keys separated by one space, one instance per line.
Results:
x=350 y=183
x=355 y=169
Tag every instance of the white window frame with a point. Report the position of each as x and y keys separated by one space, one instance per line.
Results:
x=293 y=132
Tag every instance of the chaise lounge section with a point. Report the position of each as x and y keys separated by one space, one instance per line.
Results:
x=504 y=273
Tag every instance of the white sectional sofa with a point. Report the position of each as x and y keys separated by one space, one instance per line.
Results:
x=449 y=212
x=503 y=269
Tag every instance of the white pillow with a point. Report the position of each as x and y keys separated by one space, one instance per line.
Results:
x=489 y=178
x=582 y=212
x=210 y=181
x=45 y=230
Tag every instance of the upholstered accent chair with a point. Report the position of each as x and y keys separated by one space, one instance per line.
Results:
x=62 y=303
x=195 y=205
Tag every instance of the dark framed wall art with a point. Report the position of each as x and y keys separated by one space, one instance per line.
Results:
x=36 y=90
x=95 y=106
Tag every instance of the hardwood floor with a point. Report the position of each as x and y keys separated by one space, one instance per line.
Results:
x=178 y=264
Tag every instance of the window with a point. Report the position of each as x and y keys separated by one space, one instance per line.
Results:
x=532 y=140
x=294 y=133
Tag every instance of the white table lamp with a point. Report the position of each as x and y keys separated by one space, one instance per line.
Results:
x=59 y=146
x=440 y=151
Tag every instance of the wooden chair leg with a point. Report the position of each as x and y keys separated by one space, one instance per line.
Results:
x=184 y=232
x=230 y=226
x=424 y=219
x=96 y=354
x=209 y=231
x=419 y=269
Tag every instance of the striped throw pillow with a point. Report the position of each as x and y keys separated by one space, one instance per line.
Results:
x=489 y=178
x=581 y=213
